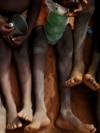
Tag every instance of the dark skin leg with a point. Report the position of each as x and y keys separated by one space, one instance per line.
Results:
x=7 y=10
x=96 y=43
x=97 y=103
x=40 y=118
x=2 y=117
x=98 y=108
x=89 y=79
x=22 y=61
x=5 y=59
x=66 y=118
x=64 y=66
x=80 y=30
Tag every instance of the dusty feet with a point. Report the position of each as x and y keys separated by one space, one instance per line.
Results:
x=70 y=121
x=39 y=120
x=90 y=82
x=13 y=121
x=75 y=79
x=26 y=114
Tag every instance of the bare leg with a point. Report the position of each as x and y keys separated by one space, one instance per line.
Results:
x=66 y=119
x=81 y=23
x=24 y=73
x=97 y=43
x=2 y=118
x=98 y=103
x=89 y=78
x=40 y=118
x=5 y=58
x=98 y=110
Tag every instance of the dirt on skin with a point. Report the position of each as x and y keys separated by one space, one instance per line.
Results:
x=81 y=98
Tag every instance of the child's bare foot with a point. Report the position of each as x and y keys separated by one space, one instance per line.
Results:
x=70 y=121
x=39 y=120
x=90 y=82
x=13 y=122
x=26 y=114
x=75 y=79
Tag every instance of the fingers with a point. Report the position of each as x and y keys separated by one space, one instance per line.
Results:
x=78 y=9
x=14 y=40
x=73 y=12
x=11 y=24
x=9 y=39
x=70 y=14
x=6 y=29
x=84 y=1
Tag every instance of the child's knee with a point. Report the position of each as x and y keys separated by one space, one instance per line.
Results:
x=21 y=55
x=39 y=48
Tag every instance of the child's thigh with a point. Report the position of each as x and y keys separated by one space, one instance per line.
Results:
x=40 y=42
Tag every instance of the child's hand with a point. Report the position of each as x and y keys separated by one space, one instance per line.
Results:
x=75 y=10
x=18 y=40
x=6 y=28
x=75 y=6
x=84 y=1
